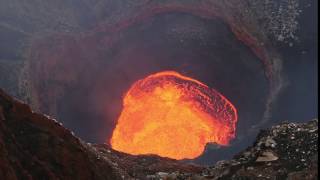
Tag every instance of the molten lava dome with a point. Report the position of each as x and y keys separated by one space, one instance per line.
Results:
x=173 y=116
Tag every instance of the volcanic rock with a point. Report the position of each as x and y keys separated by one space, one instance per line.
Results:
x=33 y=146
x=286 y=151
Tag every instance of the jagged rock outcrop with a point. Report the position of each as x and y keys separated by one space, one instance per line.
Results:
x=286 y=151
x=33 y=146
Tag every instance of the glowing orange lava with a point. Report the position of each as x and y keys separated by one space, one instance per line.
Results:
x=173 y=116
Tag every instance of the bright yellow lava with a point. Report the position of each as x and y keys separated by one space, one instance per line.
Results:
x=173 y=116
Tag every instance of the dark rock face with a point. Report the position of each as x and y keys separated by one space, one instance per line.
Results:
x=33 y=146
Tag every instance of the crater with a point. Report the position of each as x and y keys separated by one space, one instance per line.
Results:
x=81 y=79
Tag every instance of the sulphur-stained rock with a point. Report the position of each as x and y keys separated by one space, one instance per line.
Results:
x=33 y=146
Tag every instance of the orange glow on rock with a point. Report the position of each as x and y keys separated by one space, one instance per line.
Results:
x=173 y=116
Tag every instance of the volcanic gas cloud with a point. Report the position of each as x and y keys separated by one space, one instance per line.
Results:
x=173 y=116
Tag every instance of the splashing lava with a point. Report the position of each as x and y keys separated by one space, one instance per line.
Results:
x=173 y=116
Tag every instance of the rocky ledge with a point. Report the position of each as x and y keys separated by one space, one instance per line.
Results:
x=33 y=146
